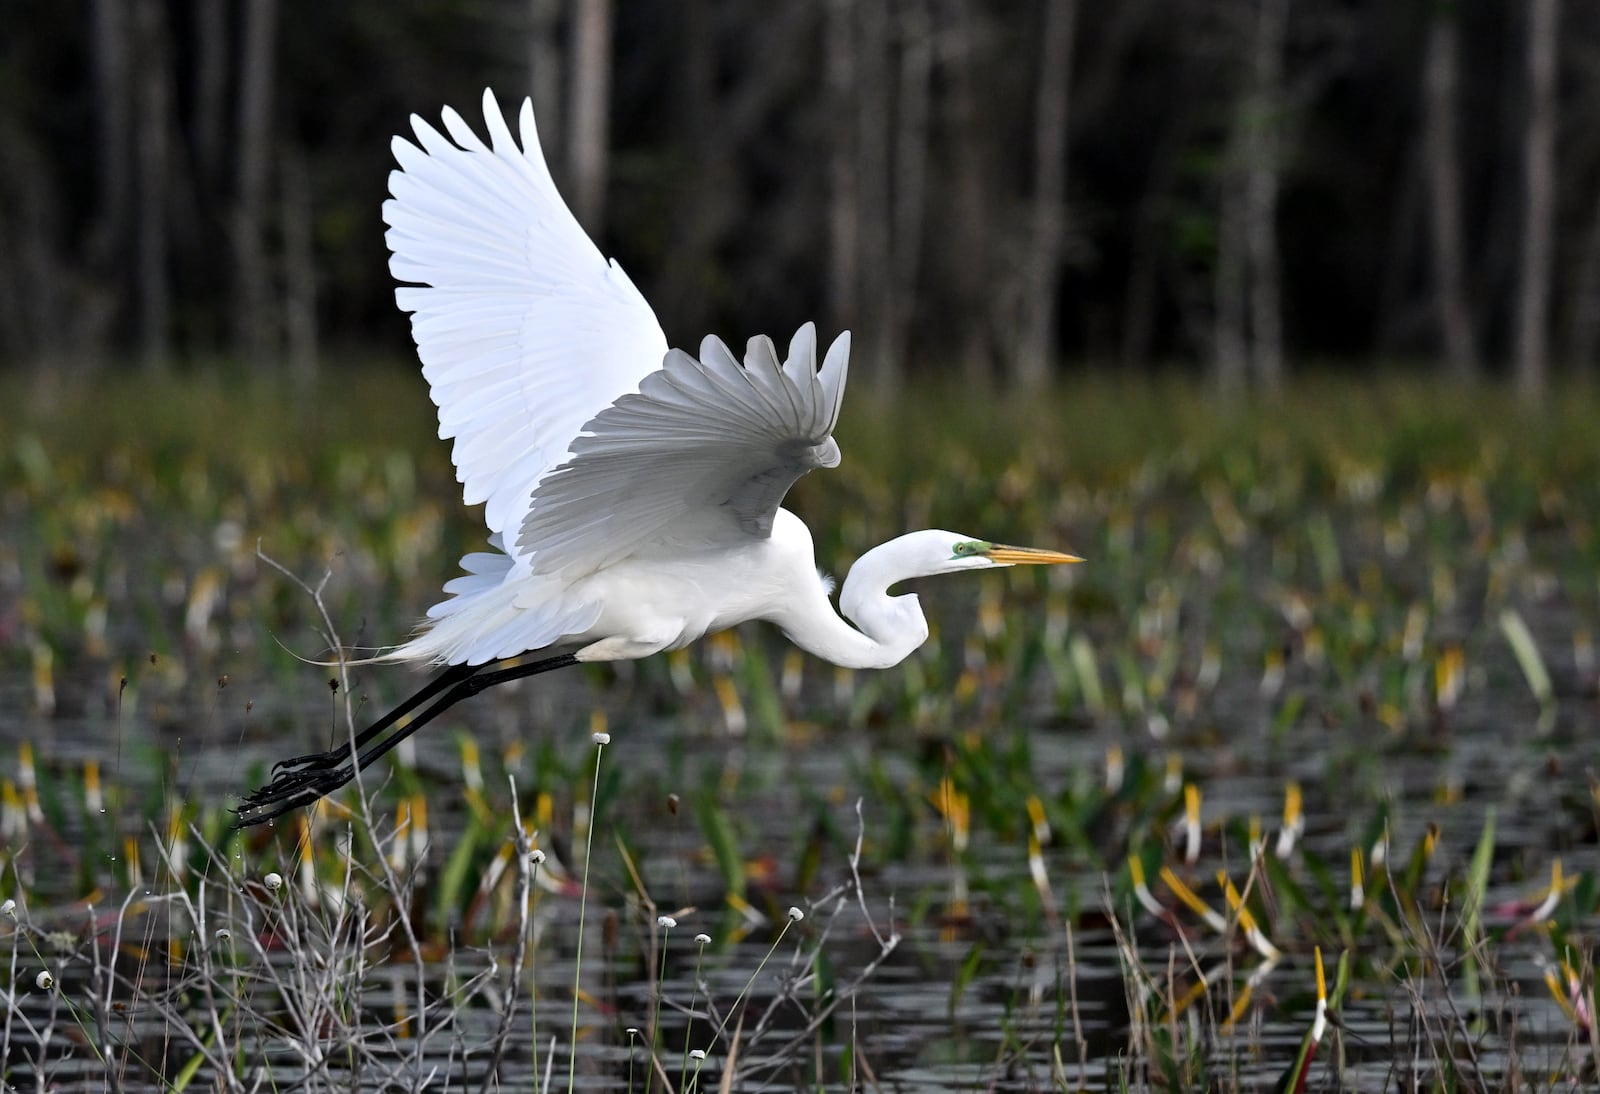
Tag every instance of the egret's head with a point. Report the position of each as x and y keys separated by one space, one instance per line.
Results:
x=977 y=554
x=923 y=554
x=935 y=551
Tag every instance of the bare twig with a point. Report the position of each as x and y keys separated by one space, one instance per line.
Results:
x=398 y=893
x=524 y=853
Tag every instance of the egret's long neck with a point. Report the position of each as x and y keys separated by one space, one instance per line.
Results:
x=891 y=626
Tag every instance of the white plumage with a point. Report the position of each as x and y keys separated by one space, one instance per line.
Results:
x=524 y=330
x=586 y=438
x=632 y=493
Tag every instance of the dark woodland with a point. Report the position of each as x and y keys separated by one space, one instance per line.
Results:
x=997 y=192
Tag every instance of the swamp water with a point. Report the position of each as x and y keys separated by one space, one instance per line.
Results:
x=1009 y=970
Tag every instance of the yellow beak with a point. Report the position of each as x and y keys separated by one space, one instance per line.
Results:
x=1026 y=556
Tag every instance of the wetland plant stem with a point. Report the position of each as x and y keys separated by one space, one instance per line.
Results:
x=600 y=741
x=665 y=924
x=793 y=918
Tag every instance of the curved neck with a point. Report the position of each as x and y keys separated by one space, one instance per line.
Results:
x=891 y=626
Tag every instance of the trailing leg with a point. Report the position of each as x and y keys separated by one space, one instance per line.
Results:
x=304 y=779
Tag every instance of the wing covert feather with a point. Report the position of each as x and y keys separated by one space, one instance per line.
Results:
x=703 y=452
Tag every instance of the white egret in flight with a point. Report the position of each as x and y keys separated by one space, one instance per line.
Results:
x=631 y=491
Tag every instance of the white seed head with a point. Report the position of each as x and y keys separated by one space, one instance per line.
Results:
x=666 y=922
x=9 y=909
x=703 y=939
x=223 y=934
x=273 y=881
x=600 y=738
x=796 y=915
x=632 y=1031
x=697 y=1054
x=45 y=980
x=536 y=857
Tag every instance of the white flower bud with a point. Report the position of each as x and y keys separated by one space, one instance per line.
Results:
x=273 y=881
x=666 y=922
x=703 y=939
x=45 y=980
x=796 y=915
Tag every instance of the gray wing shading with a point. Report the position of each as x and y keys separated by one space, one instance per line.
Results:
x=704 y=452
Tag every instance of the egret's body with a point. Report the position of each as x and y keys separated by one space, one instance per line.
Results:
x=631 y=492
x=672 y=594
x=664 y=600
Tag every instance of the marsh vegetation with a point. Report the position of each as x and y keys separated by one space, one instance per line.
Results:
x=1325 y=691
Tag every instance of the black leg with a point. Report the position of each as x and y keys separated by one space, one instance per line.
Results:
x=336 y=756
x=304 y=779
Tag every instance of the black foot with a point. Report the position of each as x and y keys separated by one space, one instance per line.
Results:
x=295 y=782
x=313 y=761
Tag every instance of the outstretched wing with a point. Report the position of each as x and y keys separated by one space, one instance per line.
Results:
x=703 y=453
x=525 y=331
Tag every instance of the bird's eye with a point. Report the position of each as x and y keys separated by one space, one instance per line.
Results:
x=969 y=547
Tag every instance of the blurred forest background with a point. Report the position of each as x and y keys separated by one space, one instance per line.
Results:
x=992 y=190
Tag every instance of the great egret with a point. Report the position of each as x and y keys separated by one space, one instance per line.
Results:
x=631 y=491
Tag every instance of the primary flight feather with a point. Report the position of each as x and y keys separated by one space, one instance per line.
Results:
x=633 y=493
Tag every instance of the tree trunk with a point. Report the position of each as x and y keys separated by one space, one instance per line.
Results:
x=1583 y=336
x=210 y=93
x=253 y=331
x=844 y=185
x=1229 y=348
x=1149 y=250
x=910 y=178
x=544 y=78
x=704 y=184
x=153 y=112
x=1051 y=114
x=109 y=235
x=1533 y=301
x=874 y=143
x=1444 y=193
x=40 y=318
x=969 y=237
x=1248 y=327
x=1265 y=124
x=589 y=129
x=299 y=267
